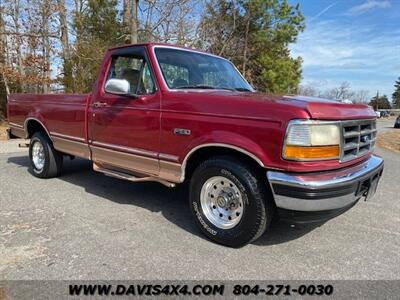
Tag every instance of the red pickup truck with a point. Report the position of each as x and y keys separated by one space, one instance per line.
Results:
x=170 y=114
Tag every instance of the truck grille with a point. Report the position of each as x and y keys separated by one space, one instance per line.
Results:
x=358 y=138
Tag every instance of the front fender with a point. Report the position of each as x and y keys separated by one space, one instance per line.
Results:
x=229 y=140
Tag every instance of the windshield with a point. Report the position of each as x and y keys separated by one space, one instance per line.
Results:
x=190 y=70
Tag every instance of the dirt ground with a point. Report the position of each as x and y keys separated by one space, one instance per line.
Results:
x=390 y=140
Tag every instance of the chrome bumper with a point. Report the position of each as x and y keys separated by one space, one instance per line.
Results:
x=328 y=190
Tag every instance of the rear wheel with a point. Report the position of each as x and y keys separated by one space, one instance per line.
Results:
x=229 y=202
x=45 y=161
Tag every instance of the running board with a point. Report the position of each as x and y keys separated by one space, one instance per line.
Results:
x=129 y=177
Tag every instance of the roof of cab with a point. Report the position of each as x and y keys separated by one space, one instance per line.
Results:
x=158 y=44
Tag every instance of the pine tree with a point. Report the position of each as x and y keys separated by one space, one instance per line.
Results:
x=380 y=102
x=255 y=35
x=396 y=94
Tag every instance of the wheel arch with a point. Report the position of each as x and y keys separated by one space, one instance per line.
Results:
x=33 y=125
x=205 y=151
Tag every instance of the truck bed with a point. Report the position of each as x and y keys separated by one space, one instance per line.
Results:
x=61 y=114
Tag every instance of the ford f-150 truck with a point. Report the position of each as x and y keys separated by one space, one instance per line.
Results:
x=169 y=114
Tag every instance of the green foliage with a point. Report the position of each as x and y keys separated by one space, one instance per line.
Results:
x=279 y=74
x=396 y=94
x=97 y=28
x=380 y=102
x=98 y=21
x=255 y=35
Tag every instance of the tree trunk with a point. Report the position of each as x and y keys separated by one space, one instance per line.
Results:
x=126 y=13
x=133 y=4
x=46 y=11
x=66 y=53
x=181 y=24
x=246 y=39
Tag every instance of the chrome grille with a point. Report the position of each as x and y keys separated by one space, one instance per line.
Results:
x=358 y=138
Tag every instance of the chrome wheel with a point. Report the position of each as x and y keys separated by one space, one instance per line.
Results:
x=38 y=155
x=221 y=202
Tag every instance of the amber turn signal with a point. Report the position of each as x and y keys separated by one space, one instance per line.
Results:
x=311 y=152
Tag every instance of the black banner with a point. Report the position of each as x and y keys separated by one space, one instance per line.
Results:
x=200 y=289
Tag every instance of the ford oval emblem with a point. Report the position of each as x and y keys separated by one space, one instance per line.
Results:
x=365 y=139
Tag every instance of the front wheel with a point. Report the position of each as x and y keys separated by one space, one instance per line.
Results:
x=45 y=161
x=230 y=204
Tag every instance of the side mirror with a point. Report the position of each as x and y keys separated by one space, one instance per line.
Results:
x=117 y=86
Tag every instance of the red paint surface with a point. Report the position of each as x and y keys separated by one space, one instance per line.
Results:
x=252 y=121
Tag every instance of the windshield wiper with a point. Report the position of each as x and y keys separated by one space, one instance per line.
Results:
x=240 y=89
x=196 y=86
x=203 y=86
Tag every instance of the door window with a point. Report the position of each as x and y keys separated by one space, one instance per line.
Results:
x=136 y=71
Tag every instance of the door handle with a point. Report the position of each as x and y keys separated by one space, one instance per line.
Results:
x=99 y=104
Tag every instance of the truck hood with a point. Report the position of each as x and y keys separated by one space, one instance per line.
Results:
x=314 y=107
x=320 y=108
x=264 y=106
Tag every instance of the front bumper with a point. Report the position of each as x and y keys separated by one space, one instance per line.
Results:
x=328 y=191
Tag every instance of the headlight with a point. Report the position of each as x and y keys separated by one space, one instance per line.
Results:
x=312 y=140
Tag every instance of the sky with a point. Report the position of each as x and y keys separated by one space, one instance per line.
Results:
x=350 y=40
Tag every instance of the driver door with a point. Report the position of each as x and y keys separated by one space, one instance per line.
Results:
x=124 y=131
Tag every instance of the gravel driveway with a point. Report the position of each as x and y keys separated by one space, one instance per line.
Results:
x=87 y=225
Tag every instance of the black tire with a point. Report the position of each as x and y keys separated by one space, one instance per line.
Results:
x=52 y=158
x=257 y=201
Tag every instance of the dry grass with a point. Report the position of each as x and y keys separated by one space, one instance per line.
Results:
x=390 y=140
x=3 y=127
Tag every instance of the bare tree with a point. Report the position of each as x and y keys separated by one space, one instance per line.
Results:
x=3 y=43
x=225 y=31
x=15 y=16
x=307 y=90
x=27 y=33
x=168 y=21
x=361 y=96
x=341 y=92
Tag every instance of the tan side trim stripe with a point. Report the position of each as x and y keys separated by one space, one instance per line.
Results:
x=71 y=147
x=169 y=157
x=17 y=131
x=127 y=149
x=68 y=137
x=170 y=171
x=123 y=160
x=15 y=125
